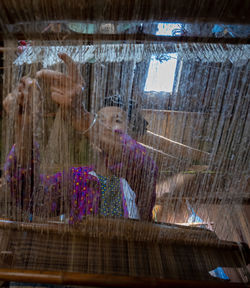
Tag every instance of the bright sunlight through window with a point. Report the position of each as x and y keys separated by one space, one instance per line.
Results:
x=161 y=74
x=161 y=70
x=169 y=29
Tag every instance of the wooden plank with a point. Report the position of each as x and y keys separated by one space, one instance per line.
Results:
x=120 y=38
x=103 y=280
x=208 y=11
x=172 y=149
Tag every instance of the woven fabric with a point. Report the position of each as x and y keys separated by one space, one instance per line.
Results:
x=71 y=252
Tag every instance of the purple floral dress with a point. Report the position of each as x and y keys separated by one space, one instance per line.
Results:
x=87 y=194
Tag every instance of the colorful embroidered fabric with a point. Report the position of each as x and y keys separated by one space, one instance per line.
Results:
x=127 y=195
x=111 y=196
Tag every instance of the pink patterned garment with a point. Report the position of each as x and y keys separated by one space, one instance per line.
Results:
x=85 y=195
x=141 y=172
x=84 y=188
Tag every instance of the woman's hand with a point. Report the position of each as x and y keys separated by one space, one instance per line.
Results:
x=23 y=103
x=64 y=88
x=22 y=96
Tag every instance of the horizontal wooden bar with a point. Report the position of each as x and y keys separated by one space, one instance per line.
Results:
x=103 y=280
x=204 y=200
x=207 y=11
x=121 y=38
x=172 y=149
x=203 y=238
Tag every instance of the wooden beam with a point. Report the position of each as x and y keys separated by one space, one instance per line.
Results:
x=205 y=200
x=171 y=234
x=172 y=149
x=7 y=49
x=207 y=11
x=103 y=280
x=121 y=38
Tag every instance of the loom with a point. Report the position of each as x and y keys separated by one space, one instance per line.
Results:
x=198 y=134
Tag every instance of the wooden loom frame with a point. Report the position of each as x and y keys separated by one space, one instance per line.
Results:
x=233 y=13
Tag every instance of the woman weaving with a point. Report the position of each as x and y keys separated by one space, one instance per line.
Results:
x=100 y=190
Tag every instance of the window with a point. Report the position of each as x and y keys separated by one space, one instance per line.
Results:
x=161 y=73
x=169 y=29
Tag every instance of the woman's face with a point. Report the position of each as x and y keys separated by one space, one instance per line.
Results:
x=113 y=118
